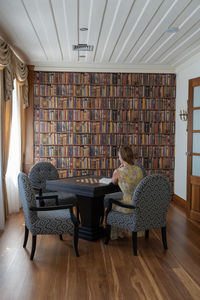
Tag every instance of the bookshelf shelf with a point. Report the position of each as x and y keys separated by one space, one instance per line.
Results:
x=80 y=120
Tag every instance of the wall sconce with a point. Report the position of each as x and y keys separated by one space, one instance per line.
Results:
x=183 y=115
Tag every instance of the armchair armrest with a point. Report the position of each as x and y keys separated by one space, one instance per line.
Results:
x=118 y=203
x=58 y=207
x=46 y=208
x=41 y=199
x=47 y=197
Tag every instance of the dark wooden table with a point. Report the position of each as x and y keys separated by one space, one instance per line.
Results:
x=90 y=194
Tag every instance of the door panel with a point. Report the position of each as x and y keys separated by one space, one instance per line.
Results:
x=196 y=102
x=196 y=142
x=196 y=119
x=193 y=163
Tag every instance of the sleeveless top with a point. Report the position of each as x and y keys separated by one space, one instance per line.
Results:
x=129 y=177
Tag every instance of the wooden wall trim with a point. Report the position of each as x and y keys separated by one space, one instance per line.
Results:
x=28 y=159
x=179 y=201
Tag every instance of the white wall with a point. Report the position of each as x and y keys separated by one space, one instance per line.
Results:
x=186 y=71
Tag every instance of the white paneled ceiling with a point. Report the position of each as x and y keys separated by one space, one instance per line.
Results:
x=126 y=34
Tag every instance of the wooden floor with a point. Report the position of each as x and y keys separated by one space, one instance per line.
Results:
x=102 y=272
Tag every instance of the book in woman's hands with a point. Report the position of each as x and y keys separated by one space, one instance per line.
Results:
x=105 y=180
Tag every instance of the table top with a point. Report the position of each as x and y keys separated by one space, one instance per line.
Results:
x=82 y=185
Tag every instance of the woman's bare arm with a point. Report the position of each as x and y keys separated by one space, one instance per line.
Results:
x=115 y=176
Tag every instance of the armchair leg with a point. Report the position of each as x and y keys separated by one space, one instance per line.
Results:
x=134 y=240
x=108 y=229
x=25 y=236
x=33 y=246
x=76 y=240
x=60 y=236
x=164 y=237
x=78 y=214
x=146 y=234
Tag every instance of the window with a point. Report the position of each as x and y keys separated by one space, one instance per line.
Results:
x=14 y=159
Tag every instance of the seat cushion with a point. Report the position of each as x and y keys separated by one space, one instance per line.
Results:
x=121 y=220
x=53 y=222
x=130 y=222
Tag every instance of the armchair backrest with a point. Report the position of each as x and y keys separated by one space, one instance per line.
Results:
x=41 y=172
x=27 y=197
x=151 y=199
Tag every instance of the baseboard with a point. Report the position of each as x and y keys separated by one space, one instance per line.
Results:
x=179 y=201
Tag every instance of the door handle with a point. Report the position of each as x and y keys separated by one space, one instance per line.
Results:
x=188 y=153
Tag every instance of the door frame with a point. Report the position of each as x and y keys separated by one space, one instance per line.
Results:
x=192 y=83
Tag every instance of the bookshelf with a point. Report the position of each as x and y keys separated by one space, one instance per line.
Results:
x=80 y=120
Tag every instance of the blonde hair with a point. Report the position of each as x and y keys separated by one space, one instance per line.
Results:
x=127 y=155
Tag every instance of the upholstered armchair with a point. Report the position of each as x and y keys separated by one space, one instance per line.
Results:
x=38 y=175
x=119 y=195
x=150 y=204
x=45 y=220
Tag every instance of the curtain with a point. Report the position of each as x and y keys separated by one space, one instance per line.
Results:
x=12 y=67
x=5 y=53
x=20 y=90
x=7 y=115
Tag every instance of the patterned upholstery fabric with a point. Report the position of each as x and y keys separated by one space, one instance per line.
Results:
x=151 y=199
x=41 y=172
x=119 y=195
x=53 y=222
x=45 y=222
x=27 y=197
x=38 y=175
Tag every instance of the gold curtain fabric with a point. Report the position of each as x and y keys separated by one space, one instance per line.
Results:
x=7 y=118
x=8 y=82
x=20 y=91
x=25 y=94
x=13 y=68
x=21 y=70
x=5 y=53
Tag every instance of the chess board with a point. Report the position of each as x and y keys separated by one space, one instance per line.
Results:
x=88 y=180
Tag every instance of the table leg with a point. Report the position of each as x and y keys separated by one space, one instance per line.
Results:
x=91 y=213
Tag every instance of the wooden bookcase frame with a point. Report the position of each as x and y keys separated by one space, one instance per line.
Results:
x=81 y=118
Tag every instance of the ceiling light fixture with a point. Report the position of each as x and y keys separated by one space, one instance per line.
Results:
x=83 y=29
x=172 y=30
x=82 y=47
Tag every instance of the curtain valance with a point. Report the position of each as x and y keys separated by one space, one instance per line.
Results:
x=5 y=53
x=13 y=68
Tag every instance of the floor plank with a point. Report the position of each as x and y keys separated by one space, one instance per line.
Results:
x=102 y=272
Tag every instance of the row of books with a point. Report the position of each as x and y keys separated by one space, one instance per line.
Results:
x=99 y=151
x=104 y=103
x=110 y=163
x=103 y=139
x=71 y=151
x=103 y=127
x=63 y=173
x=105 y=78
x=105 y=115
x=104 y=91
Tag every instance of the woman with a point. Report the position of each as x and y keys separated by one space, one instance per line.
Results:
x=127 y=176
